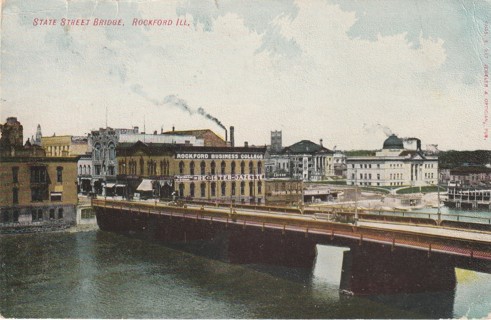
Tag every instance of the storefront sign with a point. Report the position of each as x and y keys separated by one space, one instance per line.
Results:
x=220 y=177
x=219 y=156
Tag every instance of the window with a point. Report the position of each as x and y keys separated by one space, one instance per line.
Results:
x=213 y=167
x=251 y=167
x=203 y=189
x=112 y=152
x=51 y=214
x=15 y=174
x=213 y=189
x=191 y=167
x=223 y=166
x=5 y=216
x=39 y=193
x=202 y=168
x=233 y=188
x=97 y=152
x=233 y=167
x=142 y=163
x=259 y=167
x=16 y=216
x=15 y=195
x=55 y=196
x=110 y=170
x=98 y=169
x=181 y=167
x=191 y=189
x=59 y=174
x=251 y=188
x=181 y=190
x=242 y=188
x=242 y=167
x=39 y=175
x=259 y=187
x=224 y=185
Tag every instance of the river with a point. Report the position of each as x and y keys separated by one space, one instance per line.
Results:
x=96 y=274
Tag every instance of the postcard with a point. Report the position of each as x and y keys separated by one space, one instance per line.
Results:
x=215 y=100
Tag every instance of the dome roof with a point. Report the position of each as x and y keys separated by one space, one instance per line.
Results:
x=393 y=142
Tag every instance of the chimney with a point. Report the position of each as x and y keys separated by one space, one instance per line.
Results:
x=135 y=129
x=321 y=143
x=418 y=144
x=173 y=129
x=155 y=132
x=246 y=144
x=232 y=138
x=161 y=130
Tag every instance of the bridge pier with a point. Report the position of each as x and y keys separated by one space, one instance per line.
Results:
x=371 y=270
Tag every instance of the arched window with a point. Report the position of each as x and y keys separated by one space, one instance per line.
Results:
x=251 y=167
x=191 y=167
x=259 y=187
x=213 y=189
x=112 y=151
x=181 y=190
x=191 y=189
x=251 y=188
x=142 y=163
x=259 y=167
x=242 y=167
x=233 y=188
x=88 y=170
x=202 y=167
x=232 y=167
x=97 y=151
x=181 y=167
x=223 y=167
x=224 y=185
x=203 y=189
x=242 y=188
x=213 y=167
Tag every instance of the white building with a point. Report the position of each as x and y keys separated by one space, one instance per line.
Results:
x=396 y=164
x=304 y=160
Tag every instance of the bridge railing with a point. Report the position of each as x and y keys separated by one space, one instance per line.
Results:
x=344 y=214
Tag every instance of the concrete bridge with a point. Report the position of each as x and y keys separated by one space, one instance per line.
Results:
x=400 y=254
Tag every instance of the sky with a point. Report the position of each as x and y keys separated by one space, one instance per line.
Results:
x=348 y=72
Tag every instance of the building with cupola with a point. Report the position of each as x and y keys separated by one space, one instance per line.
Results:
x=304 y=160
x=401 y=162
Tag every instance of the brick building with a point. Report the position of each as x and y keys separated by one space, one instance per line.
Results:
x=211 y=173
x=35 y=190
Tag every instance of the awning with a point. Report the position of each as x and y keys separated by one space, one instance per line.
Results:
x=145 y=185
x=55 y=193
x=120 y=185
x=110 y=185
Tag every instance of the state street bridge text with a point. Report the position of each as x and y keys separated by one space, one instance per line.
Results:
x=220 y=177
x=220 y=156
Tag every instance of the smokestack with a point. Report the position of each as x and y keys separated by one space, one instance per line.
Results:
x=226 y=136
x=246 y=144
x=232 y=137
x=173 y=129
x=321 y=143
x=418 y=144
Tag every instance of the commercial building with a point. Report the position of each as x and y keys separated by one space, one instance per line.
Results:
x=399 y=163
x=62 y=146
x=211 y=173
x=35 y=190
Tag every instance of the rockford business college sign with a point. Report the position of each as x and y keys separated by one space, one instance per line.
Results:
x=219 y=156
x=220 y=177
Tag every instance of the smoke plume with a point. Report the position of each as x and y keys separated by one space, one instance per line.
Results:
x=177 y=102
x=375 y=127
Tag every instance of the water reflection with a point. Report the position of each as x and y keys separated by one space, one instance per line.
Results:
x=104 y=275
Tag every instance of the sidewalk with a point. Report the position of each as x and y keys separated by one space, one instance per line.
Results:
x=438 y=231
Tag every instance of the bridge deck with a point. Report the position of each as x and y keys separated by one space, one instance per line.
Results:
x=474 y=244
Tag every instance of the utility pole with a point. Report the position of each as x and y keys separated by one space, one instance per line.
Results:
x=356 y=197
